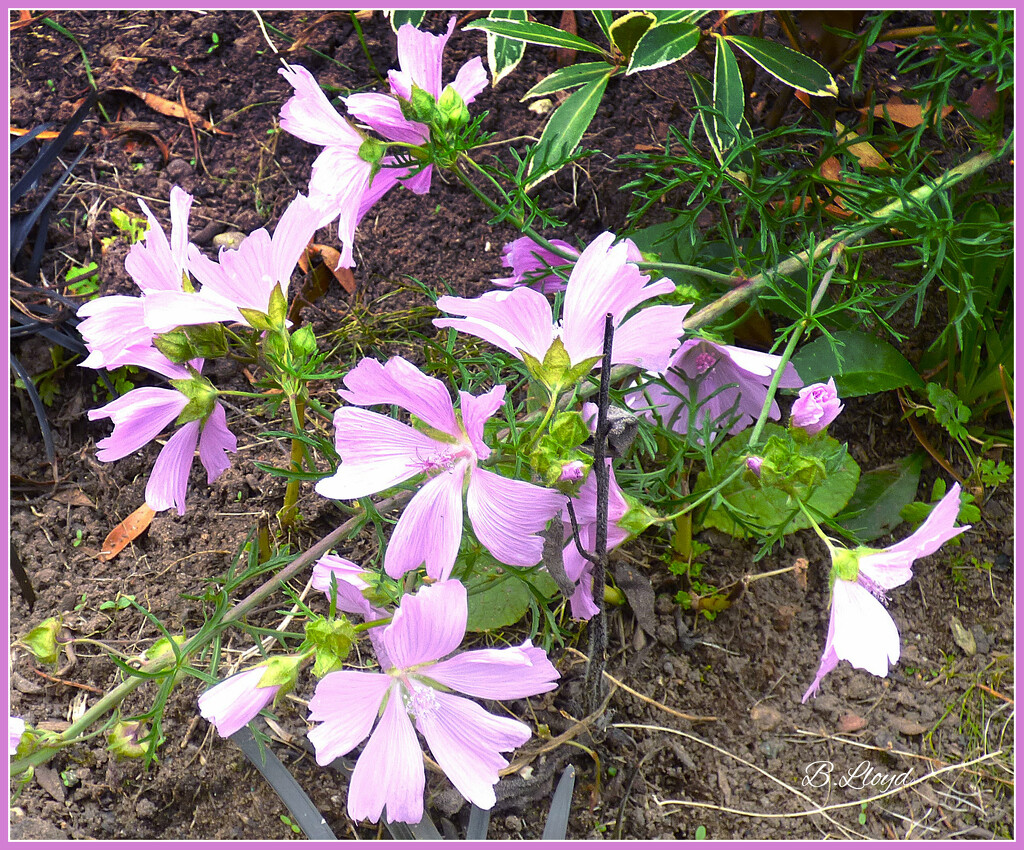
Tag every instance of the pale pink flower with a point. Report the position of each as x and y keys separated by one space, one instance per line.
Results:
x=601 y=282
x=349 y=586
x=528 y=260
x=816 y=407
x=141 y=414
x=465 y=740
x=232 y=703
x=733 y=384
x=242 y=277
x=860 y=630
x=378 y=453
x=15 y=729
x=340 y=184
x=114 y=326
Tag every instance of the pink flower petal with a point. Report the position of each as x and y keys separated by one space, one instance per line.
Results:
x=337 y=186
x=310 y=116
x=519 y=319
x=865 y=634
x=476 y=410
x=168 y=482
x=376 y=453
x=465 y=741
x=215 y=440
x=829 y=659
x=507 y=515
x=235 y=701
x=113 y=325
x=430 y=529
x=649 y=338
x=389 y=771
x=470 y=80
x=152 y=264
x=510 y=673
x=138 y=417
x=937 y=529
x=347 y=703
x=419 y=56
x=428 y=624
x=384 y=114
x=399 y=382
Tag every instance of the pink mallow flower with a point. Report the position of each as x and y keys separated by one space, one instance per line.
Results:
x=241 y=277
x=114 y=326
x=816 y=407
x=340 y=185
x=378 y=453
x=141 y=414
x=232 y=703
x=415 y=693
x=529 y=262
x=349 y=585
x=15 y=729
x=860 y=630
x=602 y=281
x=716 y=367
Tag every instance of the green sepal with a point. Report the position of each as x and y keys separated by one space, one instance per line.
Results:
x=281 y=672
x=452 y=109
x=420 y=106
x=846 y=563
x=303 y=342
x=201 y=394
x=638 y=517
x=332 y=641
x=175 y=346
x=556 y=371
x=278 y=307
x=371 y=151
x=192 y=341
x=256 y=319
x=42 y=641
x=123 y=740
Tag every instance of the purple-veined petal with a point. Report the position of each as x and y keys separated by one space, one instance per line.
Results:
x=649 y=338
x=829 y=659
x=152 y=264
x=939 y=527
x=232 y=703
x=181 y=203
x=215 y=441
x=465 y=741
x=470 y=80
x=168 y=310
x=581 y=603
x=138 y=417
x=295 y=228
x=476 y=410
x=389 y=771
x=763 y=365
x=337 y=186
x=428 y=624
x=309 y=115
x=376 y=453
x=168 y=482
x=430 y=529
x=865 y=634
x=510 y=673
x=346 y=703
x=384 y=114
x=507 y=515
x=513 y=320
x=399 y=382
x=419 y=56
x=113 y=325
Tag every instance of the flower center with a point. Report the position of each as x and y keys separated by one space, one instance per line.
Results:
x=704 y=361
x=420 y=701
x=439 y=459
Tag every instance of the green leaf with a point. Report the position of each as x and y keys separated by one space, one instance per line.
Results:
x=728 y=95
x=504 y=54
x=498 y=599
x=566 y=127
x=869 y=365
x=604 y=19
x=569 y=77
x=407 y=16
x=626 y=31
x=703 y=94
x=767 y=507
x=684 y=16
x=534 y=33
x=662 y=45
x=793 y=68
x=880 y=496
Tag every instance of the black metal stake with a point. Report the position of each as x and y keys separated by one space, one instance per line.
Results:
x=597 y=629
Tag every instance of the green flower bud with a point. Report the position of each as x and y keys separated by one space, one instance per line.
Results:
x=42 y=641
x=175 y=346
x=332 y=641
x=123 y=740
x=303 y=343
x=452 y=109
x=372 y=150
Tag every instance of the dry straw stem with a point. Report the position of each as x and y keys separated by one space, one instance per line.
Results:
x=817 y=809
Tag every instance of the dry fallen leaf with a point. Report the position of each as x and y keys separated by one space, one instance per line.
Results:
x=907 y=114
x=170 y=108
x=126 y=531
x=851 y=722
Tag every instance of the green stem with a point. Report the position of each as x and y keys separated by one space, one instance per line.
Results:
x=291 y=494
x=366 y=50
x=552 y=406
x=730 y=279
x=704 y=497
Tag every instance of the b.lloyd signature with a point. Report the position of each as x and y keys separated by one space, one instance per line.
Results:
x=819 y=774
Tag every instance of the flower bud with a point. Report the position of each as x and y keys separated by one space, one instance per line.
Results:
x=452 y=109
x=15 y=731
x=817 y=406
x=123 y=740
x=754 y=465
x=42 y=641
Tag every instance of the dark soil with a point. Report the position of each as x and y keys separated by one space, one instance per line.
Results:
x=644 y=771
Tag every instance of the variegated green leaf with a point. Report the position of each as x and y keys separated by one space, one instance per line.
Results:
x=604 y=21
x=728 y=94
x=568 y=78
x=626 y=31
x=793 y=68
x=662 y=45
x=504 y=54
x=534 y=33
x=406 y=16
x=680 y=16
